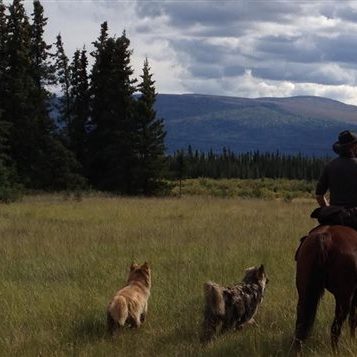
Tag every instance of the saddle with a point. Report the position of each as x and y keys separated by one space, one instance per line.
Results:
x=336 y=215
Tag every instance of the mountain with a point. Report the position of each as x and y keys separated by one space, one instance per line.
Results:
x=305 y=124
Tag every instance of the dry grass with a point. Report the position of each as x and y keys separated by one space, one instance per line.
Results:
x=61 y=261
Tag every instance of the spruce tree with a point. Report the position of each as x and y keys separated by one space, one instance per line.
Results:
x=100 y=76
x=150 y=135
x=63 y=78
x=42 y=161
x=3 y=54
x=9 y=189
x=18 y=107
x=42 y=70
x=79 y=113
x=112 y=137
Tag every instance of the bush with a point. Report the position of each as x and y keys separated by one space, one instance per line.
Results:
x=10 y=190
x=266 y=189
x=10 y=194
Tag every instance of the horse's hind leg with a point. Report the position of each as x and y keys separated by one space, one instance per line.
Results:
x=341 y=312
x=305 y=316
x=353 y=317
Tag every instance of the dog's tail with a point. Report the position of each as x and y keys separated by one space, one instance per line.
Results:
x=214 y=298
x=117 y=314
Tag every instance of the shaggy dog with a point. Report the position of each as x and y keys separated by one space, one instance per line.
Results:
x=130 y=304
x=233 y=307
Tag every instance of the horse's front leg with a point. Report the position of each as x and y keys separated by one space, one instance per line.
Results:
x=341 y=312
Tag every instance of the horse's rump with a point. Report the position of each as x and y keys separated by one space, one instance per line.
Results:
x=315 y=244
x=325 y=259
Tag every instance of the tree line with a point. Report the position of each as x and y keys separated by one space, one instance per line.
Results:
x=104 y=136
x=250 y=165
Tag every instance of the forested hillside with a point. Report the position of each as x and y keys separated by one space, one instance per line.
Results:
x=307 y=125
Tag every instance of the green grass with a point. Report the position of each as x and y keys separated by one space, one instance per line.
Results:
x=265 y=188
x=61 y=261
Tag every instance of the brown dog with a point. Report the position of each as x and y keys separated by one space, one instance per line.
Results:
x=130 y=304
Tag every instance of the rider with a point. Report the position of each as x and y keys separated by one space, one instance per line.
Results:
x=340 y=177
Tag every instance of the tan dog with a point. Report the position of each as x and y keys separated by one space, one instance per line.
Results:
x=130 y=304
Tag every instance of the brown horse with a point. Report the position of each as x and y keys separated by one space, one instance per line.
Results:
x=326 y=259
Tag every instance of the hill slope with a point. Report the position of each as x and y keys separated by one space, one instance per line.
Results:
x=297 y=124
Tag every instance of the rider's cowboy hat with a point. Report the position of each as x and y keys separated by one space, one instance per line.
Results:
x=345 y=139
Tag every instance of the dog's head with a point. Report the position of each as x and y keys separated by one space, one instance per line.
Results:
x=140 y=273
x=256 y=275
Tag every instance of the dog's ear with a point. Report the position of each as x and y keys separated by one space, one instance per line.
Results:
x=145 y=265
x=261 y=271
x=133 y=266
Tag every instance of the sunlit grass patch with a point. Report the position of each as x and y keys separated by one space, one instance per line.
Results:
x=61 y=261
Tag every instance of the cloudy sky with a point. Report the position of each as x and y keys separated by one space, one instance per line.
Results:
x=248 y=48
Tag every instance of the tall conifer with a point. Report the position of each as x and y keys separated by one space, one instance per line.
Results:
x=112 y=137
x=63 y=78
x=150 y=136
x=79 y=93
x=20 y=87
x=41 y=160
x=3 y=54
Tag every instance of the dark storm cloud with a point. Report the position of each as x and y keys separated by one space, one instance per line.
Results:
x=233 y=70
x=235 y=47
x=345 y=13
x=314 y=48
x=340 y=49
x=297 y=56
x=206 y=71
x=218 y=13
x=299 y=73
x=199 y=51
x=292 y=49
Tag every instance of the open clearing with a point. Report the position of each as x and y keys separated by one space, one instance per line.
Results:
x=61 y=261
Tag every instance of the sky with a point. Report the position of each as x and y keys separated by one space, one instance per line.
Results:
x=251 y=48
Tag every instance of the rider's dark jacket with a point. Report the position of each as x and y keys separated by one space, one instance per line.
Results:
x=340 y=178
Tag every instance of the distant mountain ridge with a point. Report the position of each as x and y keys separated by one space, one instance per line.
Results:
x=304 y=124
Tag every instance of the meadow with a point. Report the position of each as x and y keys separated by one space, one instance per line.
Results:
x=61 y=261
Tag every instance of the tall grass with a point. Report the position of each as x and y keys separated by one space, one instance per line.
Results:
x=61 y=261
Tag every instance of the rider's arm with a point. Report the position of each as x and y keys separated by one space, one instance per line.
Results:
x=321 y=189
x=322 y=201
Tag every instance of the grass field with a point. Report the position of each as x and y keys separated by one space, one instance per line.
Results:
x=61 y=262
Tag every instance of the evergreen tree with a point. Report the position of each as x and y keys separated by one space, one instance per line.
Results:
x=33 y=147
x=55 y=164
x=18 y=107
x=42 y=70
x=42 y=73
x=150 y=137
x=9 y=189
x=79 y=113
x=112 y=137
x=63 y=78
x=100 y=76
x=3 y=54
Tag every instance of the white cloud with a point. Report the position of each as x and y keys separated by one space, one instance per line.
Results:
x=286 y=48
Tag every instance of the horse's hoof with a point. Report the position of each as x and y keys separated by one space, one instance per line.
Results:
x=296 y=348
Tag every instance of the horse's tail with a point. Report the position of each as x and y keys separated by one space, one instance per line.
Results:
x=310 y=280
